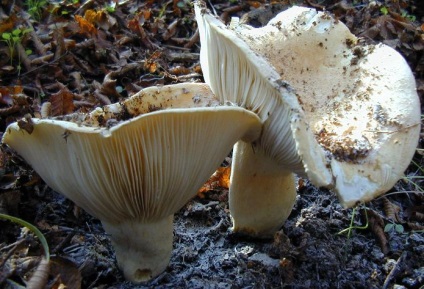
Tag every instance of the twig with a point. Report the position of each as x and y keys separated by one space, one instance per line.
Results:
x=41 y=66
x=23 y=56
x=63 y=242
x=193 y=39
x=217 y=227
x=396 y=268
x=11 y=251
x=315 y=5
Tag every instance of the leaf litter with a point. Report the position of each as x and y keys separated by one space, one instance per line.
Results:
x=81 y=54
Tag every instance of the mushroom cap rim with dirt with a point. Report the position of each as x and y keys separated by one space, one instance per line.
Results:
x=372 y=169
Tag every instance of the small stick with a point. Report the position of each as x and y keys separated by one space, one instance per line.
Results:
x=394 y=270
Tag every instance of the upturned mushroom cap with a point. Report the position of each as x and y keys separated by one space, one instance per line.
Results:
x=345 y=115
x=360 y=101
x=135 y=175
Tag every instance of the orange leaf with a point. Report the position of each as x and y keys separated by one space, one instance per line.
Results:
x=100 y=18
x=224 y=177
x=254 y=4
x=133 y=25
x=9 y=93
x=8 y=24
x=151 y=64
x=91 y=16
x=85 y=26
x=145 y=14
x=220 y=179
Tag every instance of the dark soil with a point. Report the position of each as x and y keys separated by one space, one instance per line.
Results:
x=322 y=245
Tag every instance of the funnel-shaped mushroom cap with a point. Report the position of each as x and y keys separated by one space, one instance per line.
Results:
x=353 y=110
x=138 y=172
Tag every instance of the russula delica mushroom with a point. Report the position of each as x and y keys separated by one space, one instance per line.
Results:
x=135 y=175
x=343 y=114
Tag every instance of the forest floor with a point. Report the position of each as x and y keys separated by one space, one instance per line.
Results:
x=81 y=54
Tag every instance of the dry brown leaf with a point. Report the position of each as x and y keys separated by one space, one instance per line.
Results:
x=414 y=226
x=8 y=24
x=67 y=271
x=26 y=124
x=391 y=210
x=151 y=63
x=416 y=213
x=135 y=25
x=62 y=102
x=376 y=225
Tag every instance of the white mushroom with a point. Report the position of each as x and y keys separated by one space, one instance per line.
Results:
x=135 y=175
x=343 y=114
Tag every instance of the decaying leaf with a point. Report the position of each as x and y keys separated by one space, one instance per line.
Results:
x=376 y=225
x=414 y=226
x=8 y=23
x=62 y=102
x=26 y=124
x=67 y=273
x=416 y=213
x=6 y=93
x=391 y=210
x=151 y=64
x=136 y=26
x=85 y=26
x=99 y=18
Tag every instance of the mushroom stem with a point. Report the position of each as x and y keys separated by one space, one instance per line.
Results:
x=262 y=192
x=143 y=250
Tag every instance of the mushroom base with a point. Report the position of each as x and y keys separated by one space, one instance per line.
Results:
x=262 y=194
x=143 y=250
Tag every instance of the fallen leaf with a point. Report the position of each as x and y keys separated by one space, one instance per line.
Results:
x=85 y=26
x=62 y=102
x=8 y=24
x=6 y=94
x=391 y=210
x=220 y=179
x=151 y=63
x=376 y=225
x=26 y=124
x=99 y=18
x=68 y=275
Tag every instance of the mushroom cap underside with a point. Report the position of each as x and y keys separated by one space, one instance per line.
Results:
x=145 y=168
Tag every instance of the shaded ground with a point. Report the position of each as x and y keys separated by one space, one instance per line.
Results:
x=104 y=55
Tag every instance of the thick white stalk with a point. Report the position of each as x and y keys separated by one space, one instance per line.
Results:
x=262 y=194
x=143 y=250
